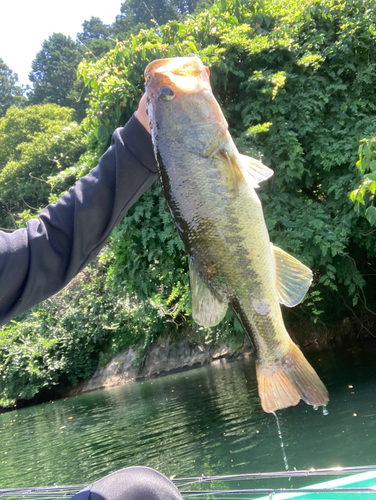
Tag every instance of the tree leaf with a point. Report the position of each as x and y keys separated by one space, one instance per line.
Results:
x=371 y=215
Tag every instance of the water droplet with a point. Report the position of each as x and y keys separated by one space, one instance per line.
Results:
x=315 y=408
x=325 y=411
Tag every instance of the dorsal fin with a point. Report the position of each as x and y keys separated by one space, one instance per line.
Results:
x=293 y=278
x=207 y=310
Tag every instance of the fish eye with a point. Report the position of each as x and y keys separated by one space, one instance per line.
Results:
x=165 y=94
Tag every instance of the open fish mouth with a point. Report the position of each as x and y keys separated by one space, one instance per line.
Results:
x=174 y=86
x=184 y=74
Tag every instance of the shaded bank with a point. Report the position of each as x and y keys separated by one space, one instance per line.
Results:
x=164 y=357
x=192 y=349
x=170 y=355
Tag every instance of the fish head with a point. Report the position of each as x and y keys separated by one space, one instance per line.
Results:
x=181 y=105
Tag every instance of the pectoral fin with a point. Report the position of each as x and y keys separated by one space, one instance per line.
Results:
x=254 y=171
x=293 y=278
x=207 y=310
x=243 y=169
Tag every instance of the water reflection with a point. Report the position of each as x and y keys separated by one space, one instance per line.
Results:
x=206 y=421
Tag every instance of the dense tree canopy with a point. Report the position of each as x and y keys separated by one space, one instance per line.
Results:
x=150 y=13
x=54 y=70
x=20 y=126
x=36 y=143
x=95 y=38
x=11 y=94
x=55 y=66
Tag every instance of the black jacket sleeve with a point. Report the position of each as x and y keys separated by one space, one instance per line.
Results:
x=40 y=260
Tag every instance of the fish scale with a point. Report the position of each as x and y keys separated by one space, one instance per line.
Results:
x=209 y=189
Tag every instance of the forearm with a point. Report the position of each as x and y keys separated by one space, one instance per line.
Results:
x=39 y=261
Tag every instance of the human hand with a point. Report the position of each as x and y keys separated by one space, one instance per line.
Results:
x=141 y=114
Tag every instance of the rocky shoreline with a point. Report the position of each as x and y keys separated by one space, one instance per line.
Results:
x=164 y=357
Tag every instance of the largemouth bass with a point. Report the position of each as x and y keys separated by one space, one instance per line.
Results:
x=210 y=192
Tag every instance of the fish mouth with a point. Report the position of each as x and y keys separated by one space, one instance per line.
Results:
x=184 y=74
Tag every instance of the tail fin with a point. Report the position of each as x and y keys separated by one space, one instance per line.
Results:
x=287 y=381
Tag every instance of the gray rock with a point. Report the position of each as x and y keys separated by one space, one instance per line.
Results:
x=162 y=358
x=121 y=370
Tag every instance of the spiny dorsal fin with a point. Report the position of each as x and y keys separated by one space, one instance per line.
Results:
x=254 y=171
x=207 y=310
x=293 y=278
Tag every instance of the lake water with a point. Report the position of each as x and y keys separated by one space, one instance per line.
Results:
x=204 y=421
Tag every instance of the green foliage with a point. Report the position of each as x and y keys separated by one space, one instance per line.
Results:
x=135 y=15
x=364 y=195
x=296 y=82
x=36 y=143
x=95 y=37
x=11 y=93
x=324 y=106
x=150 y=262
x=60 y=341
x=20 y=126
x=54 y=71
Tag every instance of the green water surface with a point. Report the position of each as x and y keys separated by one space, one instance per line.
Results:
x=203 y=421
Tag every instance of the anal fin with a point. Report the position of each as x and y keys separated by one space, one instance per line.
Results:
x=207 y=310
